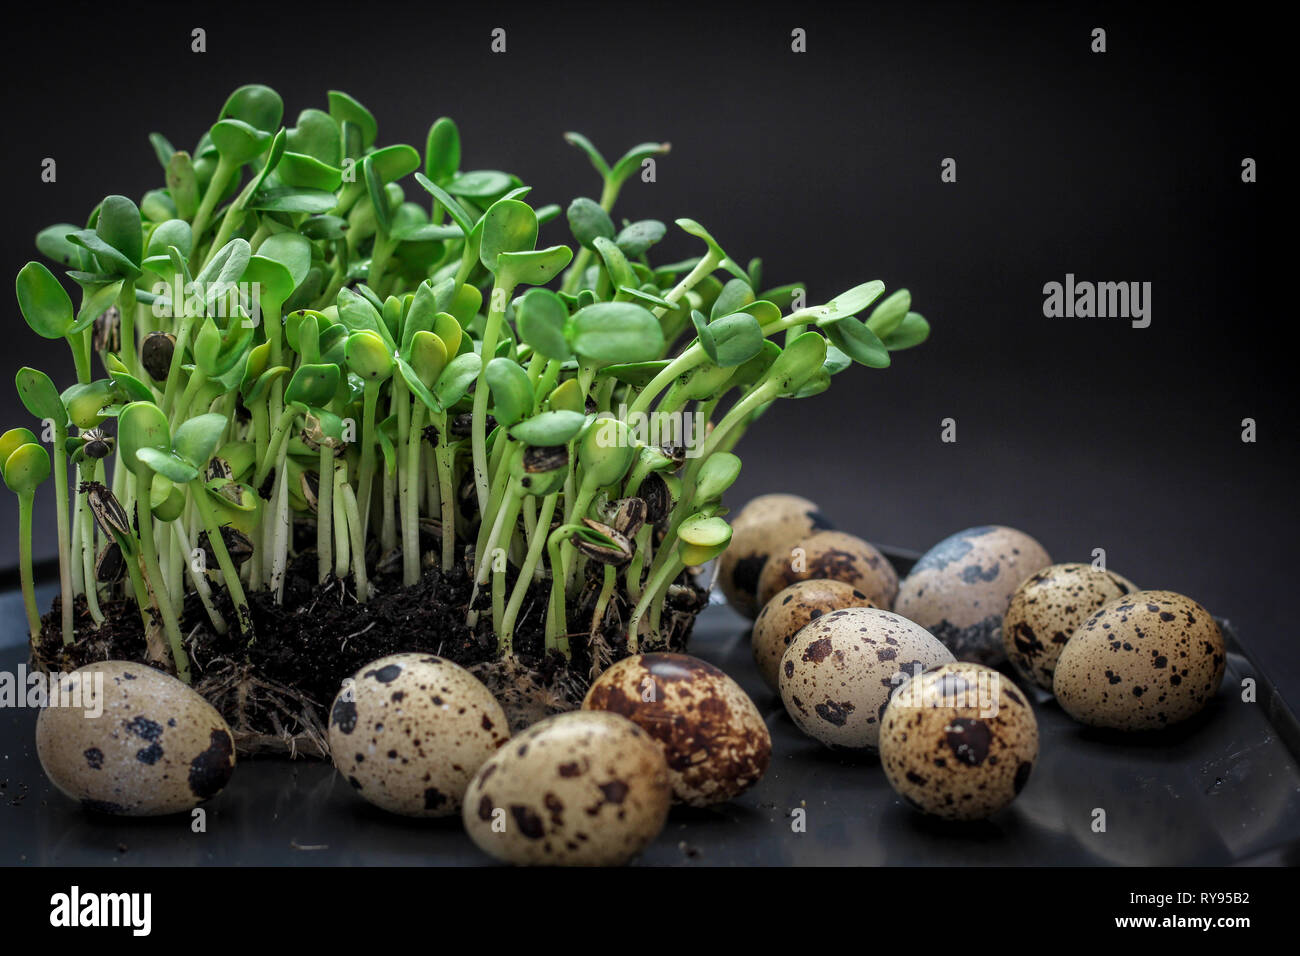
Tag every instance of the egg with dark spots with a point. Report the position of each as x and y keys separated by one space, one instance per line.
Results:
x=838 y=672
x=959 y=741
x=586 y=788
x=1047 y=608
x=960 y=589
x=712 y=736
x=786 y=614
x=127 y=739
x=1144 y=661
x=409 y=731
x=835 y=556
x=766 y=525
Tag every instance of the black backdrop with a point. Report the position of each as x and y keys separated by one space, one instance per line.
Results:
x=1122 y=166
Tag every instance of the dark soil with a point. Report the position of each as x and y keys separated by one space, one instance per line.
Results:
x=276 y=692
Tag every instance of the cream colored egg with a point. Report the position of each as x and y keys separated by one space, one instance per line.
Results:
x=1046 y=609
x=787 y=612
x=409 y=731
x=1142 y=662
x=959 y=742
x=121 y=737
x=831 y=555
x=838 y=672
x=960 y=589
x=586 y=788
x=768 y=524
x=712 y=736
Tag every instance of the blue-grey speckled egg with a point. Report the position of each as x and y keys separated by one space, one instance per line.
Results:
x=960 y=589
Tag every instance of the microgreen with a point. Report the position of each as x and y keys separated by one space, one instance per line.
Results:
x=291 y=332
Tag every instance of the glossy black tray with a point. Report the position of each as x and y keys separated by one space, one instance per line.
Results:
x=1221 y=789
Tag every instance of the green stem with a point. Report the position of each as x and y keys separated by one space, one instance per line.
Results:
x=61 y=515
x=442 y=456
x=342 y=544
x=324 y=512
x=370 y=398
x=535 y=544
x=196 y=577
x=491 y=332
x=25 y=502
x=659 y=581
x=161 y=598
x=211 y=196
x=357 y=542
x=409 y=491
x=229 y=573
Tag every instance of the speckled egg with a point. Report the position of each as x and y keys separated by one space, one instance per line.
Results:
x=768 y=524
x=127 y=739
x=1046 y=609
x=831 y=555
x=586 y=788
x=960 y=589
x=1142 y=662
x=409 y=731
x=959 y=742
x=838 y=672
x=712 y=736
x=784 y=615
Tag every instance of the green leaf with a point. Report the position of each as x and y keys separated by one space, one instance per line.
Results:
x=316 y=136
x=357 y=314
x=715 y=476
x=25 y=467
x=43 y=301
x=162 y=148
x=541 y=316
x=587 y=221
x=40 y=397
x=593 y=154
x=913 y=330
x=95 y=299
x=536 y=267
x=290 y=250
x=797 y=363
x=183 y=185
x=737 y=338
x=119 y=226
x=52 y=241
x=196 y=440
x=512 y=390
x=620 y=273
x=302 y=171
x=161 y=463
x=238 y=142
x=480 y=184
x=428 y=356
x=850 y=303
x=549 y=428
x=889 y=314
x=735 y=295
x=859 y=343
x=345 y=109
x=378 y=197
x=173 y=232
x=368 y=356
x=257 y=105
x=109 y=258
x=636 y=238
x=615 y=332
x=454 y=209
x=129 y=388
x=636 y=374
x=142 y=425
x=442 y=151
x=460 y=373
x=313 y=384
x=291 y=199
x=11 y=439
x=508 y=226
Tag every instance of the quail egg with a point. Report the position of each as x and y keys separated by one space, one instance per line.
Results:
x=961 y=587
x=792 y=608
x=959 y=741
x=768 y=524
x=712 y=736
x=586 y=788
x=127 y=739
x=408 y=731
x=1046 y=609
x=832 y=555
x=1143 y=661
x=838 y=672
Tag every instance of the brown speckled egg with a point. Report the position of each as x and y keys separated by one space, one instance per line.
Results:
x=768 y=524
x=838 y=672
x=959 y=742
x=1046 y=609
x=586 y=788
x=131 y=740
x=410 y=730
x=961 y=587
x=784 y=615
x=1142 y=662
x=711 y=734
x=836 y=556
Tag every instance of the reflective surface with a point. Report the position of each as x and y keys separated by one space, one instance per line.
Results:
x=1221 y=789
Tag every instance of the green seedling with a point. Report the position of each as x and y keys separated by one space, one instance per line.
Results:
x=293 y=334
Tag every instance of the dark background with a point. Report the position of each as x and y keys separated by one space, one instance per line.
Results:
x=1123 y=166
